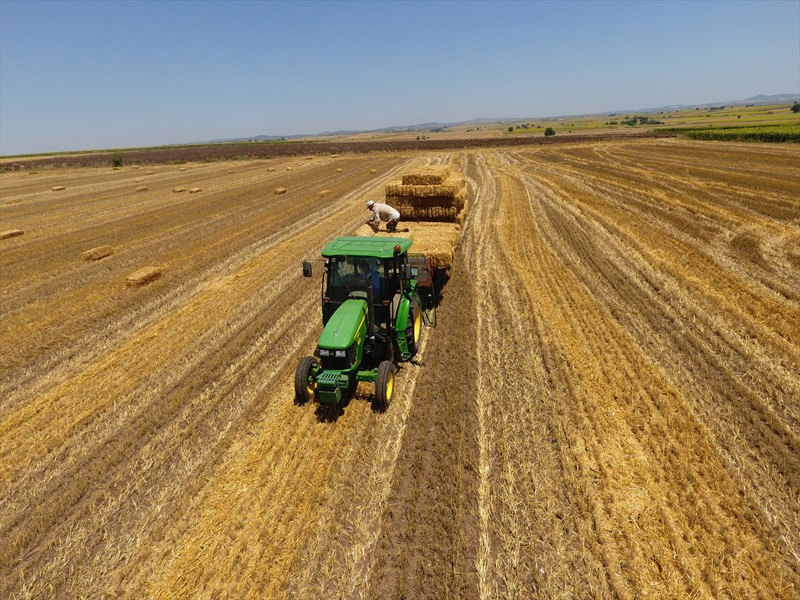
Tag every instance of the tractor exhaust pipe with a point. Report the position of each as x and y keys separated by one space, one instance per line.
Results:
x=370 y=309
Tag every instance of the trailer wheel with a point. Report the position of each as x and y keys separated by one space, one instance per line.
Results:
x=304 y=388
x=384 y=385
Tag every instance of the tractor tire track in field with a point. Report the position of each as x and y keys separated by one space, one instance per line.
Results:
x=607 y=407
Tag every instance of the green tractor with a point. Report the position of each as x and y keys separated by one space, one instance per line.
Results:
x=375 y=297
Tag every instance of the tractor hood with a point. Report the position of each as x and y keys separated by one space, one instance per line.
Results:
x=345 y=325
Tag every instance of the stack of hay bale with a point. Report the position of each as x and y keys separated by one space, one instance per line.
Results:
x=429 y=194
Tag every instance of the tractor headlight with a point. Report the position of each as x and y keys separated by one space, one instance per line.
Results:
x=323 y=352
x=341 y=353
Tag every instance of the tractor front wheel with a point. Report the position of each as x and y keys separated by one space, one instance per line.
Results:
x=304 y=387
x=384 y=385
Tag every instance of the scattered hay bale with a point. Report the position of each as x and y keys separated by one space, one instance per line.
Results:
x=143 y=276
x=116 y=168
x=280 y=190
x=229 y=171
x=178 y=189
x=271 y=169
x=182 y=169
x=290 y=168
x=141 y=188
x=58 y=188
x=373 y=171
x=324 y=193
x=33 y=172
x=134 y=166
x=194 y=190
x=427 y=176
x=149 y=172
x=334 y=156
x=98 y=253
x=9 y=233
x=339 y=170
x=309 y=158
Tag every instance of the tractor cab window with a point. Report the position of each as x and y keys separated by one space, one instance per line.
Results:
x=348 y=276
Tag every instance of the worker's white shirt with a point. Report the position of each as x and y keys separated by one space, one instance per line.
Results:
x=384 y=212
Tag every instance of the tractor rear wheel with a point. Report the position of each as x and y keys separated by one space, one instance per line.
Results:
x=304 y=388
x=384 y=385
x=414 y=327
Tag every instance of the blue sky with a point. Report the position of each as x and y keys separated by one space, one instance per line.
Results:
x=102 y=74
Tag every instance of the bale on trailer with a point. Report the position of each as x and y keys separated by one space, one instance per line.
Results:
x=9 y=233
x=427 y=176
x=449 y=187
x=98 y=253
x=143 y=276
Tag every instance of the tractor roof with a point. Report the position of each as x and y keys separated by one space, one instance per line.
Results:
x=374 y=247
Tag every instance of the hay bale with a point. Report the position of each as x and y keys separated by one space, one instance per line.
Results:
x=149 y=172
x=271 y=169
x=437 y=241
x=430 y=208
x=98 y=253
x=182 y=169
x=290 y=168
x=178 y=189
x=143 y=276
x=194 y=190
x=448 y=188
x=280 y=190
x=427 y=176
x=9 y=233
x=324 y=193
x=334 y=156
x=33 y=172
x=58 y=188
x=373 y=171
x=365 y=229
x=339 y=170
x=141 y=188
x=134 y=166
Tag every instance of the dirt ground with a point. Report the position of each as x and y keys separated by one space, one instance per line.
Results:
x=607 y=408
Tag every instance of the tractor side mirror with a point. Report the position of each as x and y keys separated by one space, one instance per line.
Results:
x=306 y=268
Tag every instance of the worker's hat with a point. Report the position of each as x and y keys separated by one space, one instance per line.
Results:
x=370 y=204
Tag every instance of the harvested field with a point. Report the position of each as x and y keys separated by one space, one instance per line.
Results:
x=607 y=408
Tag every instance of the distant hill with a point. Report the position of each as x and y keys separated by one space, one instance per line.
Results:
x=755 y=100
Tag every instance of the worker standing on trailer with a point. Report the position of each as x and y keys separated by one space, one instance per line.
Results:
x=383 y=212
